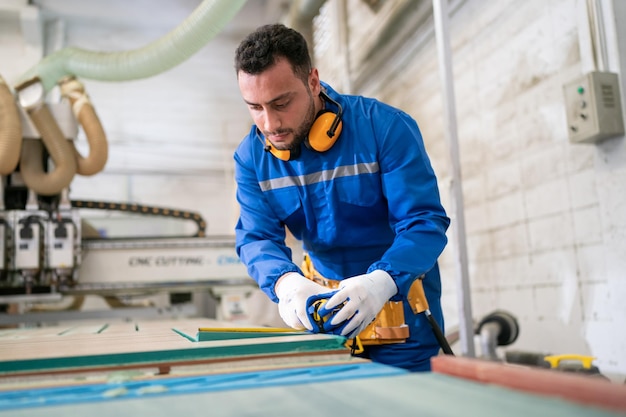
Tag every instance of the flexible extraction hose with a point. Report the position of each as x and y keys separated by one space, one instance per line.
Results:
x=206 y=21
x=10 y=130
x=86 y=115
x=60 y=150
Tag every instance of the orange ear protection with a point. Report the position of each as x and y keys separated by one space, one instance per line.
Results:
x=283 y=154
x=322 y=135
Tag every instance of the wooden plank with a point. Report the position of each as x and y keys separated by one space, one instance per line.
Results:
x=83 y=377
x=223 y=333
x=28 y=333
x=122 y=344
x=96 y=338
x=581 y=389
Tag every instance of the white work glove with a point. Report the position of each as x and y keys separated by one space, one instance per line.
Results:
x=293 y=291
x=364 y=296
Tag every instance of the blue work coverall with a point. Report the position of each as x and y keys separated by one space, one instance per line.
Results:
x=370 y=202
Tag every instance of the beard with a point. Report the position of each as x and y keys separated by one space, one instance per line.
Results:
x=302 y=131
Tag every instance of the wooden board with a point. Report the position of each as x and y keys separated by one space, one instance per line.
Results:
x=140 y=343
x=582 y=389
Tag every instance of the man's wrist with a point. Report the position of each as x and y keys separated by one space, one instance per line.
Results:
x=281 y=280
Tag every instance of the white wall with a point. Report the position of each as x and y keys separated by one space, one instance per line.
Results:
x=545 y=219
x=17 y=52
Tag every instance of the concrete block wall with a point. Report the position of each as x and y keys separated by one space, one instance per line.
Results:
x=544 y=217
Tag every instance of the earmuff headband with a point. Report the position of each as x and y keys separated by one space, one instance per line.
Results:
x=335 y=124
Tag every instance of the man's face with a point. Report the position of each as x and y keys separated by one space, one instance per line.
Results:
x=280 y=104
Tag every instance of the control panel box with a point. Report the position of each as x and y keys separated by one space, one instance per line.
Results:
x=594 y=108
x=27 y=238
x=60 y=244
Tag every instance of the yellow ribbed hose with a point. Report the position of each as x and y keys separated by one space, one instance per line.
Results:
x=98 y=146
x=206 y=21
x=74 y=90
x=10 y=130
x=60 y=150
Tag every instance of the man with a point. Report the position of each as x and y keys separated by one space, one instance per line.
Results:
x=350 y=178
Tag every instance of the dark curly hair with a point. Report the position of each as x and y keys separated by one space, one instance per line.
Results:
x=261 y=48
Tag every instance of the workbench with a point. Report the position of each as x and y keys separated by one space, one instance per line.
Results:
x=201 y=367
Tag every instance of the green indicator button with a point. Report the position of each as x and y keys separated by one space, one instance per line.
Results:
x=581 y=90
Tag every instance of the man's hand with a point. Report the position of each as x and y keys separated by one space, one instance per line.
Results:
x=293 y=290
x=364 y=296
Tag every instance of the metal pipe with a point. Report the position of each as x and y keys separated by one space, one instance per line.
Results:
x=598 y=34
x=344 y=45
x=440 y=16
x=489 y=340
